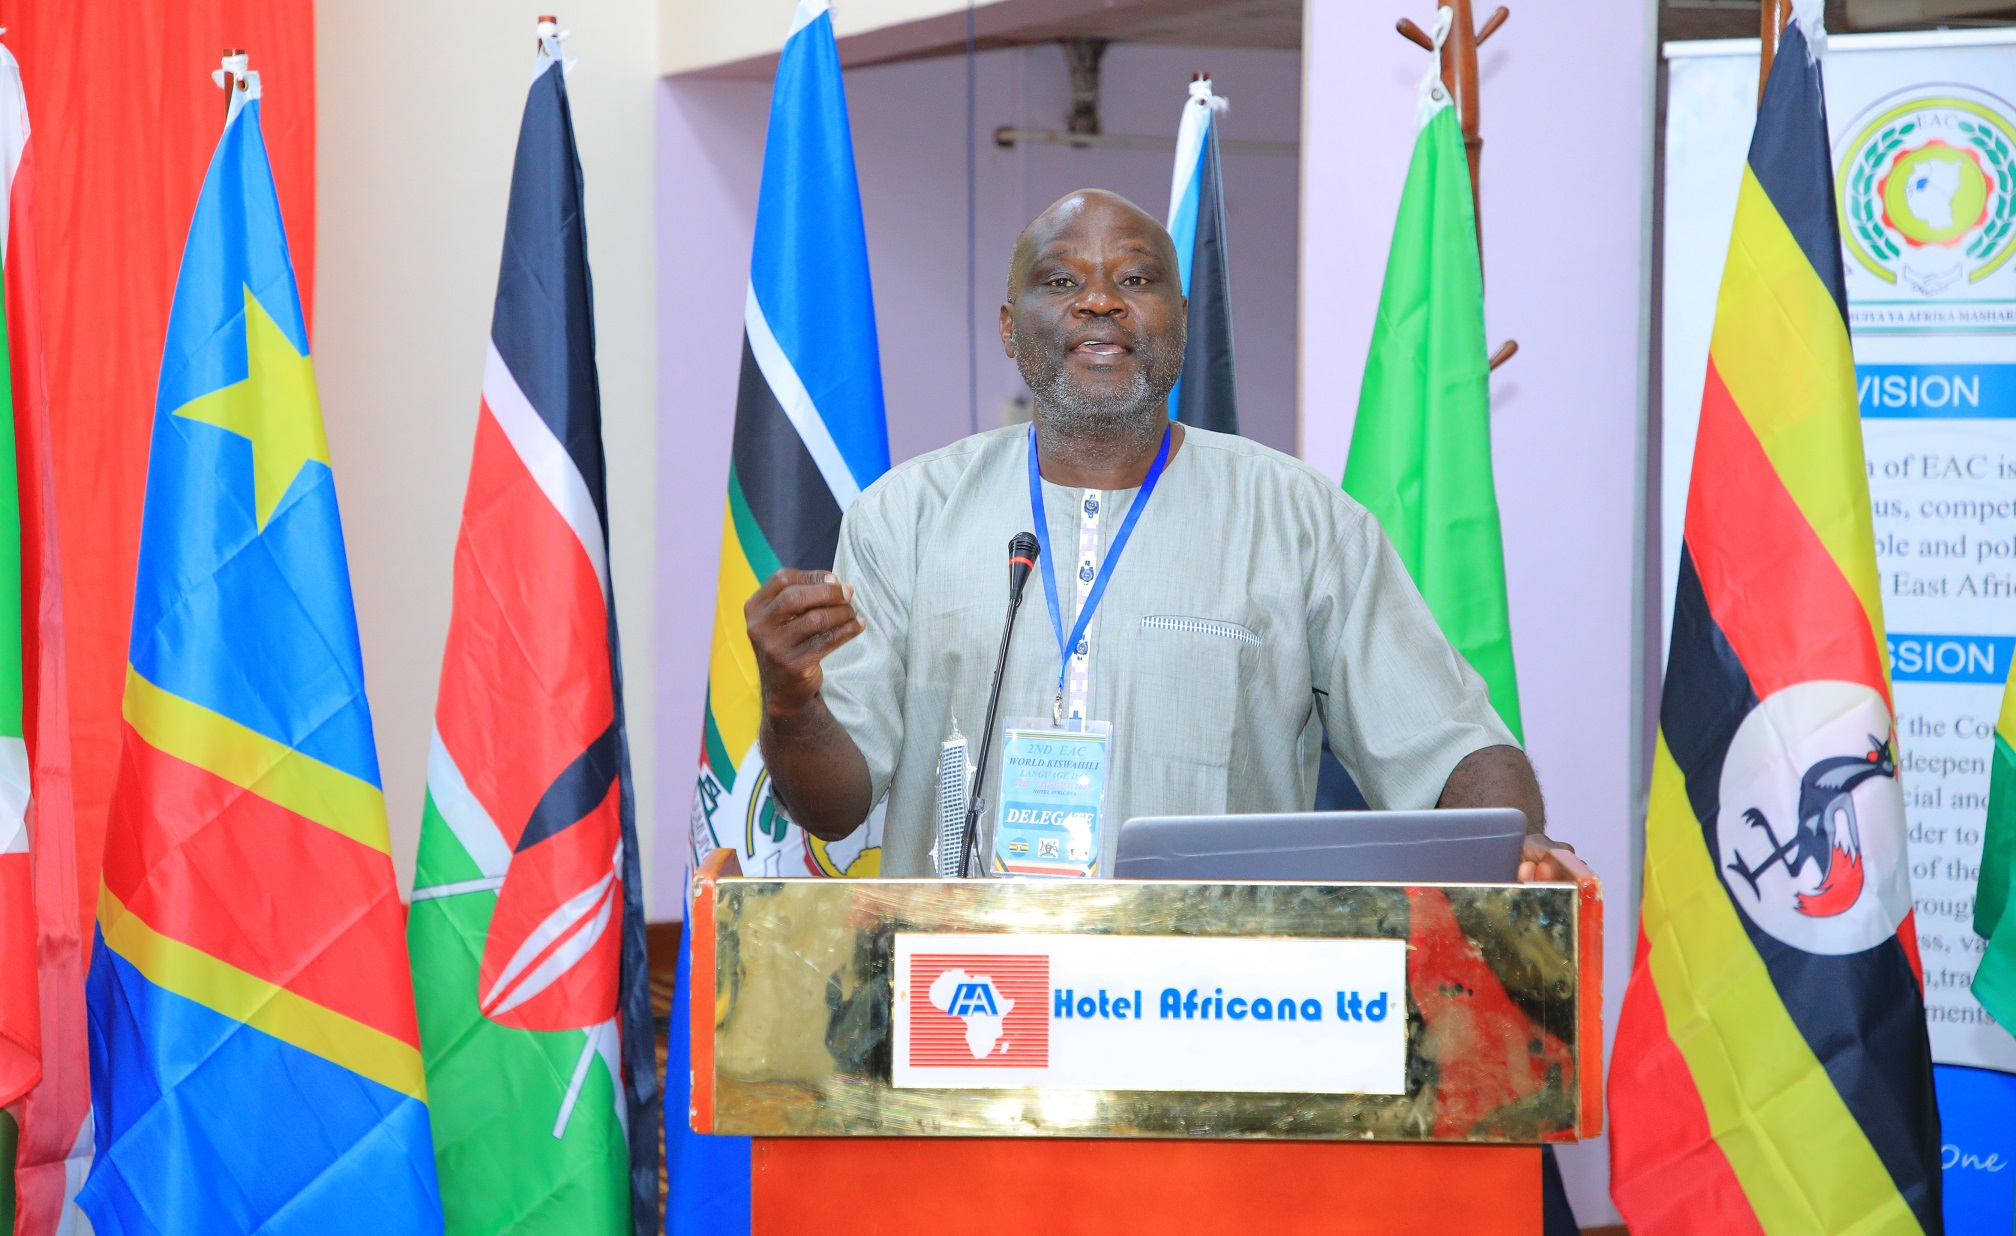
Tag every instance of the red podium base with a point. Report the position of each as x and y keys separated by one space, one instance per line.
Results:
x=859 y=1186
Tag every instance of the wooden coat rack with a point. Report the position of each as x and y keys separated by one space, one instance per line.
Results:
x=1459 y=75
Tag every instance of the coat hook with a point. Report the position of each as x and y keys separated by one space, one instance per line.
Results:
x=1492 y=23
x=1506 y=351
x=1414 y=33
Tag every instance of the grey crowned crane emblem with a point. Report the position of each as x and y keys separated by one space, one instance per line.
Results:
x=1825 y=834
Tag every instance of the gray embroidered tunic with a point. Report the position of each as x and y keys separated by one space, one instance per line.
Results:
x=1256 y=605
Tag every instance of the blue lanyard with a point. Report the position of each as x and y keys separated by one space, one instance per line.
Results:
x=1048 y=560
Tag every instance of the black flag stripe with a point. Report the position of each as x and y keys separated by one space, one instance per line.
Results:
x=786 y=492
x=1207 y=397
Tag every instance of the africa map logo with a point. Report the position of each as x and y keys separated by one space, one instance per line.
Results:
x=984 y=1010
x=1927 y=188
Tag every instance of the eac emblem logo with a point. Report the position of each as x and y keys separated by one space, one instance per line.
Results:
x=1927 y=188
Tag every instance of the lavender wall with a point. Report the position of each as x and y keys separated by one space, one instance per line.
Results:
x=909 y=125
x=1566 y=97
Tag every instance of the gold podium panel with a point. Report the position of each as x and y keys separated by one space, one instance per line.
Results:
x=1503 y=1037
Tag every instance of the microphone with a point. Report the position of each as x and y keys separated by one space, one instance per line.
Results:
x=1022 y=554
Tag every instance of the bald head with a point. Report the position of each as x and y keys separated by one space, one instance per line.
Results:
x=1074 y=212
x=1095 y=317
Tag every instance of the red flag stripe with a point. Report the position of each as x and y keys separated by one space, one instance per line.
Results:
x=528 y=639
x=21 y=1016
x=1670 y=1177
x=259 y=887
x=1775 y=591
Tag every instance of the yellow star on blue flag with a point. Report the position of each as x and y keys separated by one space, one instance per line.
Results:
x=274 y=406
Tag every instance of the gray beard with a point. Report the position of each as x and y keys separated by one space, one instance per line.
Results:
x=1117 y=416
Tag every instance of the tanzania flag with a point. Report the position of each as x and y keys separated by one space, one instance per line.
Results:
x=527 y=931
x=255 y=1064
x=1771 y=1070
x=1421 y=446
x=1204 y=395
x=1995 y=980
x=809 y=437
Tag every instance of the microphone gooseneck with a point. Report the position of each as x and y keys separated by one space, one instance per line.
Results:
x=1023 y=553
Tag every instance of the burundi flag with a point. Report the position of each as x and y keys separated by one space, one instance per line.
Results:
x=1421 y=445
x=20 y=1001
x=1204 y=395
x=1995 y=980
x=55 y=1132
x=1771 y=1070
x=527 y=931
x=255 y=1062
x=809 y=437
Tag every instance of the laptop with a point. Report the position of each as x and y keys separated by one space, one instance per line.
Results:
x=1466 y=846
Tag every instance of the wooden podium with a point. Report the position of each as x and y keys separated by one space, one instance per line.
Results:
x=816 y=1046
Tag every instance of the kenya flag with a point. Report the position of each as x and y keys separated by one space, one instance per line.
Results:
x=527 y=931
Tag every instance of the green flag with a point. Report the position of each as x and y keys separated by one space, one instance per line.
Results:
x=525 y=1128
x=1421 y=449
x=1995 y=980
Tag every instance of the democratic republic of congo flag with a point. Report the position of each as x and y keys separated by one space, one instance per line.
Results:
x=527 y=930
x=809 y=437
x=255 y=1062
x=1204 y=394
x=1771 y=1070
x=1995 y=980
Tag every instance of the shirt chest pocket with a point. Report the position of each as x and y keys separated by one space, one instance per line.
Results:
x=1190 y=687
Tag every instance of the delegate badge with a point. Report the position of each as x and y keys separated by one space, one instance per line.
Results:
x=1053 y=793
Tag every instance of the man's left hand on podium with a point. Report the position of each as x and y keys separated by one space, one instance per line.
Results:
x=1544 y=860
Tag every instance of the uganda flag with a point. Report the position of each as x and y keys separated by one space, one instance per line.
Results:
x=1771 y=1070
x=255 y=1062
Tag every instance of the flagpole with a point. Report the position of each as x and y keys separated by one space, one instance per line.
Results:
x=1459 y=76
x=1771 y=18
x=232 y=84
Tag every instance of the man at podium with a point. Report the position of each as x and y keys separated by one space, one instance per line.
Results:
x=1210 y=607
